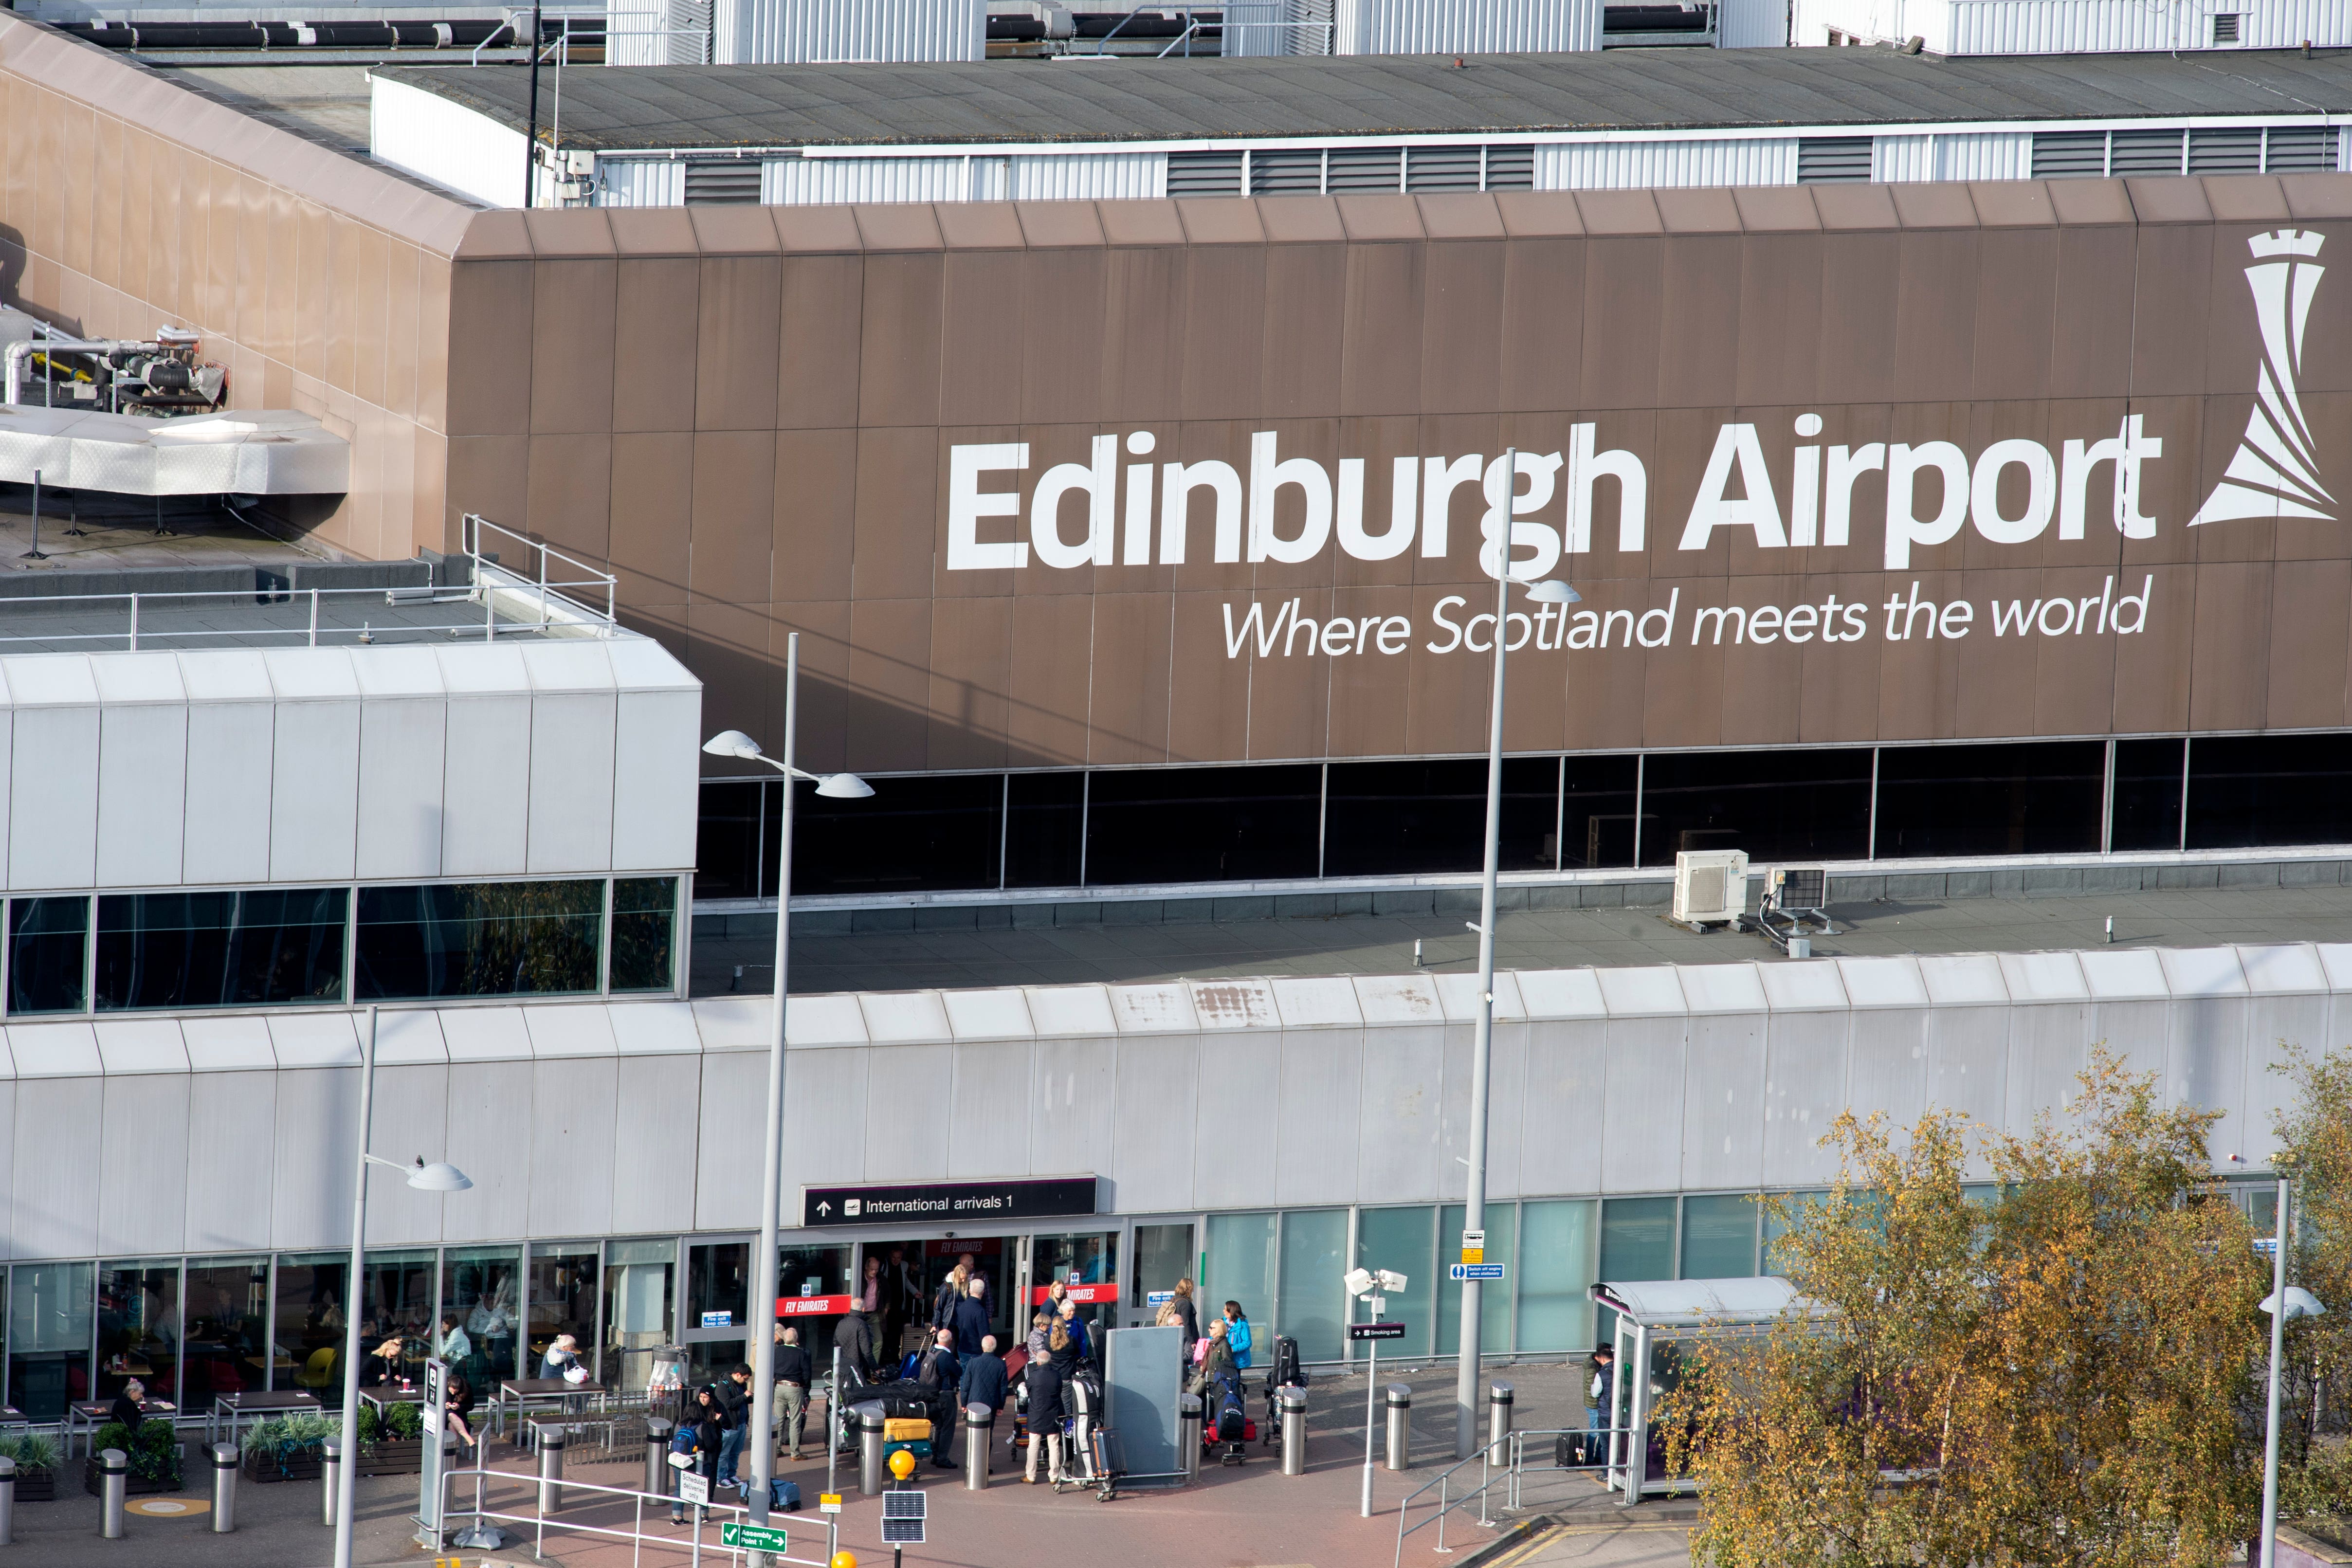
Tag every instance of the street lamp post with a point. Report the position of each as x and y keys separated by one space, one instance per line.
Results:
x=2283 y=1302
x=836 y=786
x=437 y=1177
x=1474 y=1206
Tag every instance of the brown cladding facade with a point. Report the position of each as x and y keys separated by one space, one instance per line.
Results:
x=754 y=415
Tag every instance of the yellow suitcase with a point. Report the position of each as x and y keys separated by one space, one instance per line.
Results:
x=905 y=1430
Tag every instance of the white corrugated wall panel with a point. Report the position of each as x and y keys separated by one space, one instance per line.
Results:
x=1928 y=19
x=1465 y=27
x=640 y=181
x=1089 y=176
x=633 y=34
x=805 y=32
x=810 y=182
x=1754 y=24
x=144 y=1142
x=1645 y=165
x=2093 y=27
x=1969 y=156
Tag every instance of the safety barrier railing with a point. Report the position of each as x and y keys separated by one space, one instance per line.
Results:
x=1453 y=1495
x=540 y=1521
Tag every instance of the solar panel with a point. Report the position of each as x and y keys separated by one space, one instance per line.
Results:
x=902 y=1518
x=904 y=1504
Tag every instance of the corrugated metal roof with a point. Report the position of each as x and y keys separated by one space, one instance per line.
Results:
x=1001 y=102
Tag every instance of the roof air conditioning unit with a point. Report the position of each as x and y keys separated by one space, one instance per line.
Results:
x=1711 y=886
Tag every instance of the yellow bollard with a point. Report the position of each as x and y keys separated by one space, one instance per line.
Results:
x=902 y=1464
x=845 y=1559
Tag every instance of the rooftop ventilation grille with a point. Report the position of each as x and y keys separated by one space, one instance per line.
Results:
x=1833 y=160
x=722 y=183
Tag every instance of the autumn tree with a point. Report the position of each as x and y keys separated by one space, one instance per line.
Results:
x=2315 y=1148
x=2052 y=1371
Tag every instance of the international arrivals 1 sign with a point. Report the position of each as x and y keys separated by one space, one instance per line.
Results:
x=949 y=1202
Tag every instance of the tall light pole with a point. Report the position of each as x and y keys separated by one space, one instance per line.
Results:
x=2284 y=1301
x=836 y=786
x=437 y=1177
x=1474 y=1206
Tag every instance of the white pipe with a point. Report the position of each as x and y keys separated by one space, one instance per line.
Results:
x=20 y=353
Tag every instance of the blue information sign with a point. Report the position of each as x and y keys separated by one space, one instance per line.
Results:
x=1474 y=1270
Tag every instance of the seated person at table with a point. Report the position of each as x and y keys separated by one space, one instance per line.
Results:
x=561 y=1356
x=125 y=1407
x=381 y=1366
x=458 y=1403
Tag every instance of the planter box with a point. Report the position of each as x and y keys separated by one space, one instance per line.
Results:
x=37 y=1486
x=392 y=1459
x=264 y=1468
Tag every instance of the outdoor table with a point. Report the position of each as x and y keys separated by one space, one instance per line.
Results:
x=87 y=1415
x=553 y=1394
x=233 y=1410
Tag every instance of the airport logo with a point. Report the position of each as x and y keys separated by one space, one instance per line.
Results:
x=2275 y=472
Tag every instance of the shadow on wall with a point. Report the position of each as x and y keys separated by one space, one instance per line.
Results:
x=12 y=280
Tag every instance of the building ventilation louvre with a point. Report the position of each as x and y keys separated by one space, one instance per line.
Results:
x=2069 y=154
x=723 y=182
x=1833 y=160
x=1286 y=172
x=2225 y=28
x=2300 y=149
x=2237 y=150
x=1440 y=169
x=1511 y=168
x=1206 y=173
x=2145 y=152
x=1367 y=169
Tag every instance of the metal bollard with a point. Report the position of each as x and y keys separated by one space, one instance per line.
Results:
x=551 y=1469
x=658 y=1431
x=1188 y=1435
x=1498 y=1424
x=979 y=1421
x=224 y=1462
x=1400 y=1426
x=113 y=1468
x=331 y=1476
x=1294 y=1430
x=8 y=1501
x=870 y=1474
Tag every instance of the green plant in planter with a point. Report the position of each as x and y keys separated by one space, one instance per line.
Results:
x=405 y=1422
x=155 y=1456
x=371 y=1429
x=31 y=1450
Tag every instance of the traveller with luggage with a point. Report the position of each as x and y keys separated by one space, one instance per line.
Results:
x=1226 y=1421
x=1237 y=1335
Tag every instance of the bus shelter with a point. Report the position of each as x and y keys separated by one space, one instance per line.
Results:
x=1656 y=1321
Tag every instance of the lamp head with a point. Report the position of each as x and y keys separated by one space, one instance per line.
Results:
x=902 y=1463
x=437 y=1177
x=1553 y=591
x=844 y=786
x=2300 y=1304
x=733 y=743
x=1359 y=1281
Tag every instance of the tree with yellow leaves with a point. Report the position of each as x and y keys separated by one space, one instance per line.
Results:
x=2055 y=1375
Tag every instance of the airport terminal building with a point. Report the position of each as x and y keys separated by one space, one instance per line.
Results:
x=1953 y=508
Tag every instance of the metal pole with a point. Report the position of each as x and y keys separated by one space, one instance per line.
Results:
x=530 y=140
x=34 y=553
x=1474 y=1206
x=351 y=1313
x=763 y=1270
x=1371 y=1385
x=833 y=1448
x=2278 y=1347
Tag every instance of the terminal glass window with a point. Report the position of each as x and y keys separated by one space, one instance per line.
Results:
x=916 y=834
x=481 y=1289
x=1163 y=1255
x=1202 y=824
x=1088 y=1260
x=1494 y=1300
x=645 y=935
x=220 y=950
x=479 y=939
x=1313 y=1302
x=726 y=838
x=1557 y=1253
x=1718 y=1237
x=1796 y=803
x=639 y=1279
x=1597 y=803
x=311 y=1329
x=2249 y=790
x=1772 y=1229
x=1240 y=1268
x=48 y=947
x=1403 y=1241
x=2042 y=798
x=806 y=1274
x=1043 y=816
x=562 y=1300
x=138 y=1328
x=223 y=1349
x=48 y=1337
x=2148 y=779
x=396 y=1296
x=1400 y=819
x=717 y=1286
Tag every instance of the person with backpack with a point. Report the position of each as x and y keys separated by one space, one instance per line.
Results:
x=941 y=1375
x=705 y=1419
x=1237 y=1335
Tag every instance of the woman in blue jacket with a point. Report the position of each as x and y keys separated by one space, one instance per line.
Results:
x=1237 y=1333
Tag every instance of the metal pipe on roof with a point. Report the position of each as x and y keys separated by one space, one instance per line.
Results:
x=20 y=353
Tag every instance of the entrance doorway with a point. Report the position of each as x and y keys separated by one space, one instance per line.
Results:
x=1087 y=1265
x=913 y=1271
x=1162 y=1256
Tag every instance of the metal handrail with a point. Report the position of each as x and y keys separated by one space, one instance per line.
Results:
x=541 y=1522
x=1514 y=1465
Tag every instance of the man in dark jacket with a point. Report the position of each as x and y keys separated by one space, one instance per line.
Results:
x=793 y=1373
x=969 y=1319
x=854 y=1338
x=735 y=1399
x=941 y=1375
x=983 y=1377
